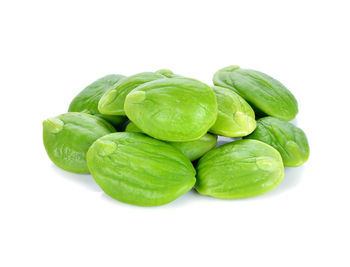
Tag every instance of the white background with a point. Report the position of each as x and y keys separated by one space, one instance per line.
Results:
x=50 y=50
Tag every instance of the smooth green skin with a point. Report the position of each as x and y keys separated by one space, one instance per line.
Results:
x=112 y=102
x=193 y=149
x=140 y=170
x=263 y=93
x=87 y=100
x=288 y=139
x=236 y=117
x=174 y=109
x=68 y=137
x=240 y=169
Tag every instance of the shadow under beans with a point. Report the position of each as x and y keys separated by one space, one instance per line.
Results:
x=292 y=176
x=183 y=200
x=85 y=180
x=291 y=179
